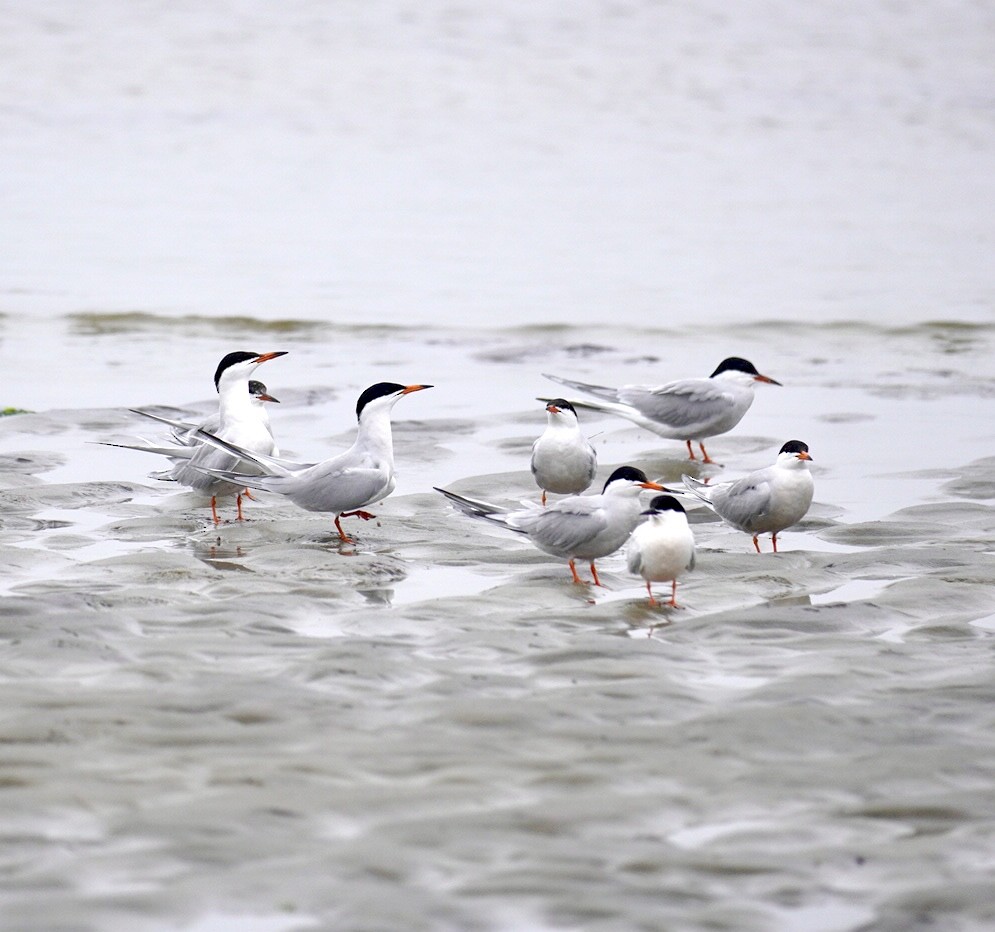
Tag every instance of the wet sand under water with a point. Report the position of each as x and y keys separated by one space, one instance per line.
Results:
x=255 y=727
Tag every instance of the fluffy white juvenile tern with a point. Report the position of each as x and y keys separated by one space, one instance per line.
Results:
x=662 y=547
x=766 y=501
x=563 y=459
x=342 y=485
x=580 y=527
x=688 y=409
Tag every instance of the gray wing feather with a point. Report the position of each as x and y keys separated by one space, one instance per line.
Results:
x=698 y=490
x=269 y=465
x=744 y=500
x=678 y=404
x=176 y=452
x=599 y=391
x=475 y=508
x=570 y=524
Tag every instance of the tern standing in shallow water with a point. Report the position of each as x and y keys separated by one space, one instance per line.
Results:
x=662 y=548
x=581 y=527
x=563 y=459
x=688 y=409
x=342 y=485
x=766 y=501
x=242 y=420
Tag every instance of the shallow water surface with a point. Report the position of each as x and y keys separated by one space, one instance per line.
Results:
x=255 y=726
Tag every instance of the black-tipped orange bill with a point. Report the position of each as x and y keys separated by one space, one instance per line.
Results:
x=767 y=379
x=803 y=455
x=265 y=397
x=263 y=357
x=552 y=409
x=408 y=389
x=653 y=485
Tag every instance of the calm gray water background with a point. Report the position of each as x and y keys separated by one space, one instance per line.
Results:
x=255 y=728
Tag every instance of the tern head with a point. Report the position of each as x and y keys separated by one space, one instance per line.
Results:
x=627 y=480
x=794 y=454
x=662 y=504
x=556 y=406
x=240 y=365
x=382 y=396
x=259 y=393
x=735 y=368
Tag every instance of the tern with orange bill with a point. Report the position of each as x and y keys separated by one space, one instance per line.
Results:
x=688 y=409
x=563 y=459
x=766 y=501
x=241 y=420
x=662 y=547
x=343 y=485
x=580 y=527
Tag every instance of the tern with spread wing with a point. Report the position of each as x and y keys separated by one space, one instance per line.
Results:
x=581 y=527
x=688 y=409
x=343 y=485
x=184 y=439
x=766 y=501
x=662 y=547
x=241 y=420
x=563 y=459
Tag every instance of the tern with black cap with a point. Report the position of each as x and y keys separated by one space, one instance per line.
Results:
x=766 y=501
x=688 y=409
x=563 y=459
x=343 y=485
x=241 y=419
x=662 y=547
x=580 y=527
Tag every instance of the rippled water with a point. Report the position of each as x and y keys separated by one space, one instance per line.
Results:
x=256 y=728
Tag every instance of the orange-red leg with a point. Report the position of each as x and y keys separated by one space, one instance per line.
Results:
x=705 y=457
x=594 y=573
x=238 y=505
x=691 y=455
x=573 y=571
x=649 y=589
x=214 y=510
x=365 y=515
x=342 y=534
x=543 y=498
x=756 y=543
x=774 y=540
x=673 y=594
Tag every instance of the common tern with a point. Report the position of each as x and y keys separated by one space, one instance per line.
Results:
x=260 y=397
x=342 y=485
x=241 y=419
x=184 y=433
x=563 y=459
x=688 y=409
x=580 y=527
x=662 y=547
x=766 y=501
